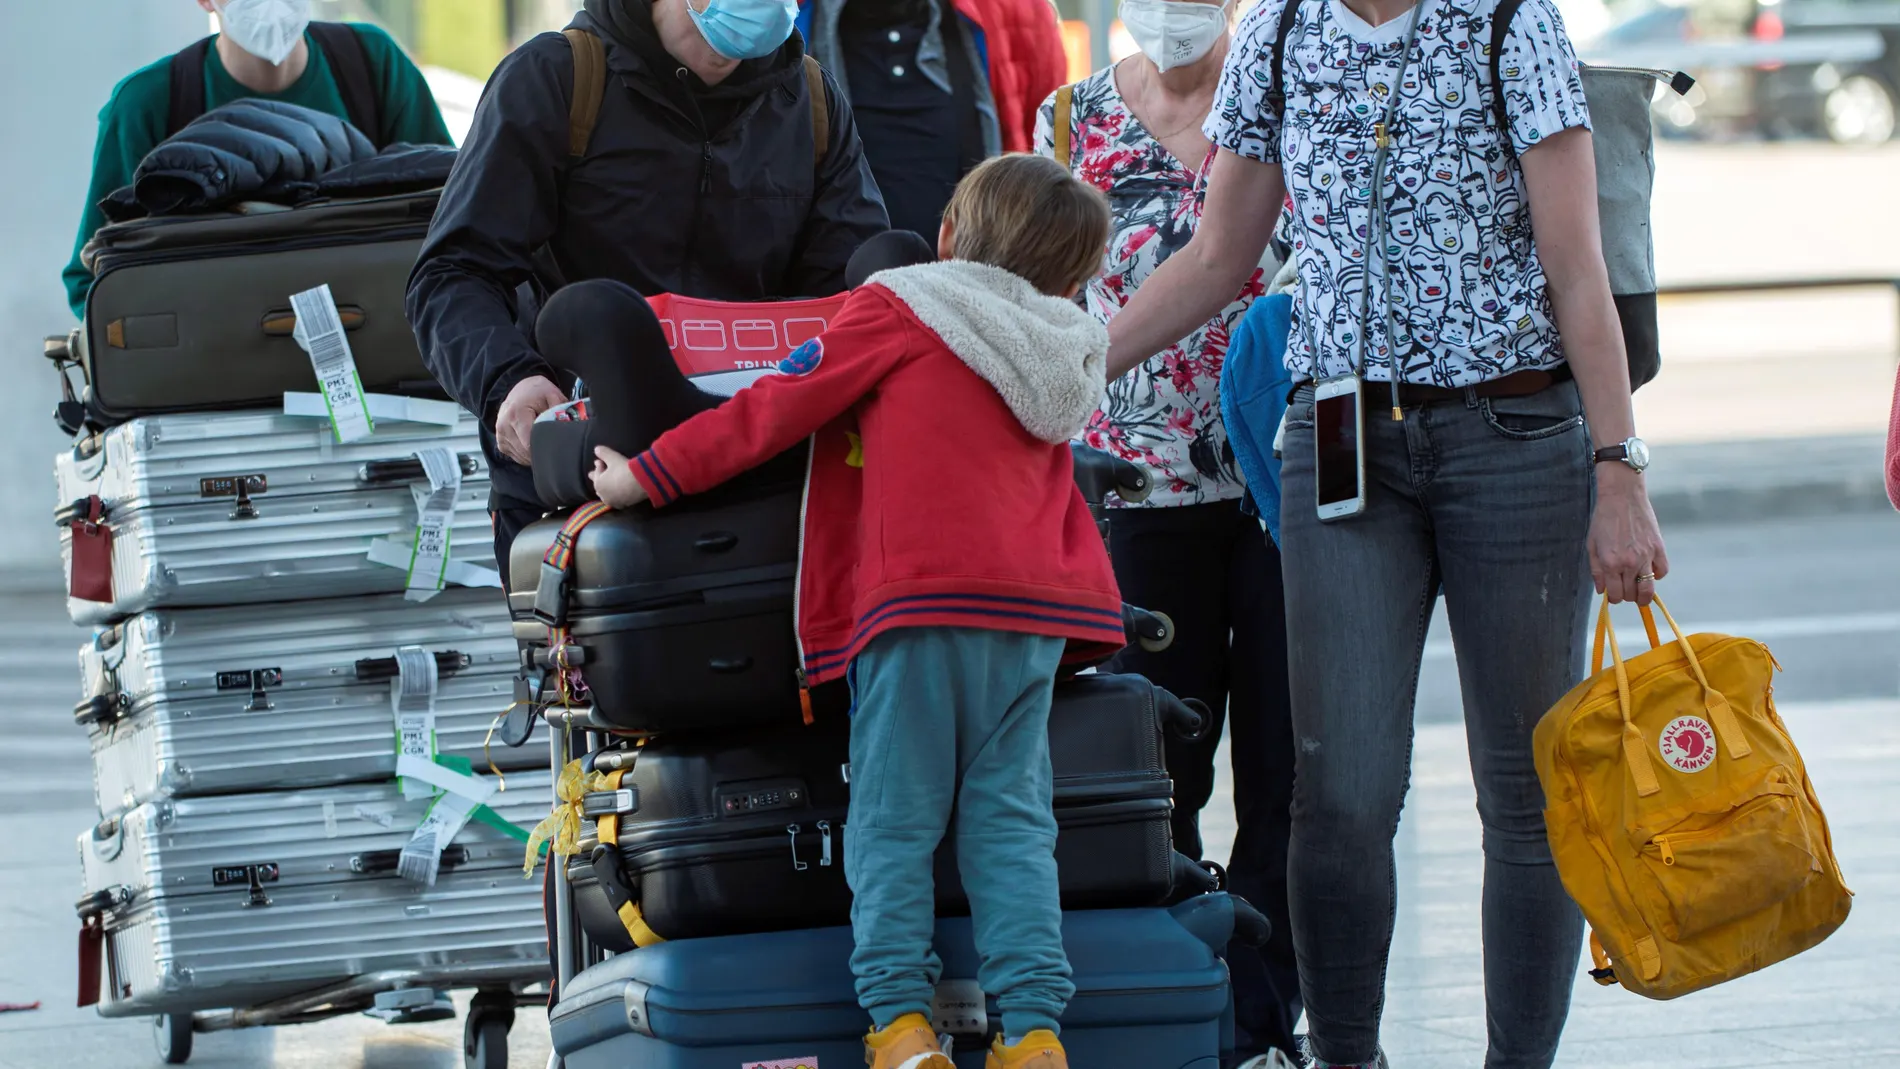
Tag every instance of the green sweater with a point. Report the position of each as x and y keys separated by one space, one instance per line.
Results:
x=133 y=121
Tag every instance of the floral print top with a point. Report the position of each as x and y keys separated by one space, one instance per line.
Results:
x=1165 y=414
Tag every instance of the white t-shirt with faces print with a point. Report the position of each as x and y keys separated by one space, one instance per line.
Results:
x=1461 y=271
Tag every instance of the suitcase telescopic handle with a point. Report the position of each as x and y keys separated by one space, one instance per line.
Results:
x=405 y=470
x=378 y=862
x=373 y=669
x=282 y=322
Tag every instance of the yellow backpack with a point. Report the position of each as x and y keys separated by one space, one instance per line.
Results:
x=1681 y=815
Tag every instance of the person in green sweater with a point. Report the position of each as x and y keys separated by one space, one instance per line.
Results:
x=268 y=49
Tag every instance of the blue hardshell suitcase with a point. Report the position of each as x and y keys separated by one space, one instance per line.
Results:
x=1151 y=993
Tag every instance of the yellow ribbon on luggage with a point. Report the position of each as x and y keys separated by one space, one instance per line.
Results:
x=562 y=828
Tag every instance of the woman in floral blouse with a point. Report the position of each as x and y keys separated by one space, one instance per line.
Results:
x=1133 y=130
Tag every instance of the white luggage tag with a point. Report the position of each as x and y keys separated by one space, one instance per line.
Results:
x=426 y=555
x=319 y=331
x=428 y=561
x=421 y=859
x=412 y=696
x=389 y=407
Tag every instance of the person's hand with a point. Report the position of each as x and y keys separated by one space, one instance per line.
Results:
x=613 y=479
x=1626 y=548
x=514 y=421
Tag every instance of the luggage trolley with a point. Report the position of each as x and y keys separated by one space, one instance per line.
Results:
x=491 y=1014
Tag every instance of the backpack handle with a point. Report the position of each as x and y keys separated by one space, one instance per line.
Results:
x=1635 y=749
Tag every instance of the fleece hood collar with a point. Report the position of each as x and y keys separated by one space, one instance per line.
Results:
x=1044 y=355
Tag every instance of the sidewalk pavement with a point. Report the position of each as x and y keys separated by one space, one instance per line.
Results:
x=1723 y=482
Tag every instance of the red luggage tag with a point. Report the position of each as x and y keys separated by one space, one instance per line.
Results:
x=91 y=578
x=92 y=946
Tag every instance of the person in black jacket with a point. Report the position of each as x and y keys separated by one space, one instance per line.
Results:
x=701 y=178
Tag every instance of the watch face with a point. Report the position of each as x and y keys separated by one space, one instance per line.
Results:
x=1638 y=453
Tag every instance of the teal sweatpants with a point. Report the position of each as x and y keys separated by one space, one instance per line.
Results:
x=955 y=719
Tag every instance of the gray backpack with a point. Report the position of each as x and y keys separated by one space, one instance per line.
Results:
x=1619 y=99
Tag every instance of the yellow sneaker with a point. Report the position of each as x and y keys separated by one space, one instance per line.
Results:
x=1038 y=1050
x=908 y=1043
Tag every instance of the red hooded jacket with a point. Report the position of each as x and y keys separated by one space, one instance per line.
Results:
x=941 y=492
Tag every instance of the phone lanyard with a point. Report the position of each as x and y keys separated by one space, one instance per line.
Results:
x=1376 y=232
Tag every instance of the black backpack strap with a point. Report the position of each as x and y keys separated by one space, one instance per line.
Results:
x=1288 y=16
x=349 y=65
x=188 y=86
x=1500 y=29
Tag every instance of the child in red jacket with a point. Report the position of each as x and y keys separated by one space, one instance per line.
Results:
x=948 y=563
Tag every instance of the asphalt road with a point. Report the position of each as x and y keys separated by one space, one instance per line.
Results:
x=1825 y=593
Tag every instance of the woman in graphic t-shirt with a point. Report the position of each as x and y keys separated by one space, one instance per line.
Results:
x=1420 y=278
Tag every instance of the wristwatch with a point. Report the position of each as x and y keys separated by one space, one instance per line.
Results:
x=1631 y=451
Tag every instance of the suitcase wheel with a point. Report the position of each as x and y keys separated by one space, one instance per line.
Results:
x=485 y=1037
x=172 y=1033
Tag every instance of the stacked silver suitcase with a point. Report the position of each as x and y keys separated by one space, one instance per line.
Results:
x=254 y=663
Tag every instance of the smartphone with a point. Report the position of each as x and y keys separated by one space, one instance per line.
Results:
x=1339 y=468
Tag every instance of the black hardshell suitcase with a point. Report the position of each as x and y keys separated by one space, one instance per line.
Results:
x=193 y=311
x=679 y=619
x=733 y=838
x=1114 y=800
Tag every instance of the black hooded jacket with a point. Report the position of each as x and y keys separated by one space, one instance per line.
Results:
x=709 y=192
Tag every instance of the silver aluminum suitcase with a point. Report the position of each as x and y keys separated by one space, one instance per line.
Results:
x=261 y=652
x=242 y=507
x=214 y=744
x=342 y=836
x=470 y=929
x=237 y=900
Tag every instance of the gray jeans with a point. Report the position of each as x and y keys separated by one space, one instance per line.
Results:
x=1491 y=499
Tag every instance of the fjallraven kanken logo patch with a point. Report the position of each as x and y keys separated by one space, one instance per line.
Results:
x=803 y=360
x=1688 y=744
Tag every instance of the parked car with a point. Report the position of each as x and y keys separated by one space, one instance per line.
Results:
x=1769 y=68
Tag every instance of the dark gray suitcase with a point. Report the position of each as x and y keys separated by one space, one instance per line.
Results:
x=240 y=507
x=193 y=312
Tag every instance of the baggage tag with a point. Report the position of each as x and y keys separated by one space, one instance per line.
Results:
x=319 y=331
x=412 y=697
x=462 y=795
x=421 y=858
x=429 y=560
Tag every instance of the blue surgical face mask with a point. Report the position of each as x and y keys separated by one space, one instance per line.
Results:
x=745 y=29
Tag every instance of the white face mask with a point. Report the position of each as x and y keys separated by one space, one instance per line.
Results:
x=267 y=29
x=1174 y=33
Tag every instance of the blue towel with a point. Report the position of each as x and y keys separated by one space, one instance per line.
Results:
x=1253 y=393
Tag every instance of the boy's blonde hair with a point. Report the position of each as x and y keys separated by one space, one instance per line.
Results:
x=1028 y=215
